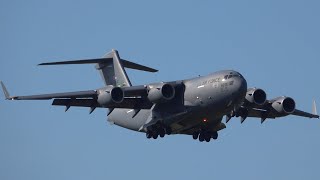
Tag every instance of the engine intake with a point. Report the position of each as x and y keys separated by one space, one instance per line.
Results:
x=110 y=95
x=284 y=105
x=256 y=96
x=160 y=93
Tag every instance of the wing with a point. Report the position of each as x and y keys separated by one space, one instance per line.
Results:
x=71 y=95
x=77 y=94
x=264 y=113
x=134 y=98
x=304 y=114
x=269 y=110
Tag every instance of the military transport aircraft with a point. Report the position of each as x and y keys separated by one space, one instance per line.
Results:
x=193 y=106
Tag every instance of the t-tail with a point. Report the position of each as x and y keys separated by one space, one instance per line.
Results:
x=111 y=68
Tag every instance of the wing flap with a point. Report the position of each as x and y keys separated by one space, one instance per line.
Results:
x=76 y=102
x=132 y=103
x=261 y=113
x=127 y=103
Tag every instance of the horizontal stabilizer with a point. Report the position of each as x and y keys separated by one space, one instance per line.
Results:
x=131 y=65
x=125 y=63
x=84 y=61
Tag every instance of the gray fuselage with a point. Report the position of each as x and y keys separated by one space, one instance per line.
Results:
x=205 y=98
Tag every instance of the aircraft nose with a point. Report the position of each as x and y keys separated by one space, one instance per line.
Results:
x=241 y=85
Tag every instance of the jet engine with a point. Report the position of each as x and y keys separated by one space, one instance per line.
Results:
x=160 y=93
x=256 y=96
x=110 y=95
x=284 y=105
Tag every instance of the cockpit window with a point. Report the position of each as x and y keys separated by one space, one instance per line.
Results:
x=231 y=75
x=239 y=75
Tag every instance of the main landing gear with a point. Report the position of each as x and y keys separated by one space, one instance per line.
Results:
x=156 y=131
x=204 y=135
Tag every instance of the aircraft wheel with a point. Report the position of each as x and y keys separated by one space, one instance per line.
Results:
x=148 y=134
x=162 y=133
x=155 y=135
x=208 y=139
x=214 y=135
x=195 y=135
x=168 y=130
x=207 y=136
x=201 y=137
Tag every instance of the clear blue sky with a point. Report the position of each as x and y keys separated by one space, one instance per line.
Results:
x=274 y=44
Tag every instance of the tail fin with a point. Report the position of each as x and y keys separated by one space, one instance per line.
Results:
x=111 y=68
x=114 y=72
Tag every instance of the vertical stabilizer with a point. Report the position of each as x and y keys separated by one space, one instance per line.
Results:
x=113 y=72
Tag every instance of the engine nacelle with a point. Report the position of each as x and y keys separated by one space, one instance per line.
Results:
x=160 y=93
x=284 y=105
x=256 y=96
x=110 y=95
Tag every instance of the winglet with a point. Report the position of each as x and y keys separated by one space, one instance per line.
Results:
x=314 y=108
x=5 y=91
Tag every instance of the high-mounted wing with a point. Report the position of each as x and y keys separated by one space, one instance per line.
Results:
x=278 y=107
x=305 y=114
x=256 y=105
x=77 y=94
x=263 y=113
x=134 y=98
